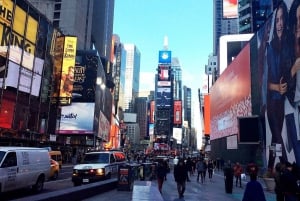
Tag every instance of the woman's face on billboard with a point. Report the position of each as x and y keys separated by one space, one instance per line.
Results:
x=279 y=23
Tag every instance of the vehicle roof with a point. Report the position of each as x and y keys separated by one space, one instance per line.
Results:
x=97 y=152
x=20 y=148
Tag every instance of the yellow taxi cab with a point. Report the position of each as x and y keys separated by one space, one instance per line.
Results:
x=54 y=170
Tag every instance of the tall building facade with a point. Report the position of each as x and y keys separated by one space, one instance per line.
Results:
x=225 y=21
x=141 y=108
x=253 y=14
x=90 y=20
x=177 y=81
x=132 y=76
x=187 y=105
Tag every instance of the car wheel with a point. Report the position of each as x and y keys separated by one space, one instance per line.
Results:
x=39 y=185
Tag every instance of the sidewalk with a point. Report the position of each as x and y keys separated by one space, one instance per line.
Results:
x=209 y=191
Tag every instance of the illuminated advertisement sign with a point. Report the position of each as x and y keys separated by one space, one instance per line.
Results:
x=64 y=62
x=152 y=110
x=77 y=118
x=22 y=37
x=85 y=76
x=230 y=9
x=231 y=96
x=206 y=114
x=177 y=112
x=164 y=56
x=6 y=113
x=163 y=97
x=163 y=72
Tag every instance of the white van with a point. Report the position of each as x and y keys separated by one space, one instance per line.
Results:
x=22 y=167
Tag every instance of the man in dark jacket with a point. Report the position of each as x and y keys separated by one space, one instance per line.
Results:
x=180 y=175
x=228 y=176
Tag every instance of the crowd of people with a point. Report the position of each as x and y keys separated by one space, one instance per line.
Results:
x=286 y=176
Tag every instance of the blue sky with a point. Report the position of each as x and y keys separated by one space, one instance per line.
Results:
x=188 y=24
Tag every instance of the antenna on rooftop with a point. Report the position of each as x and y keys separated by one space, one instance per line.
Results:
x=166 y=43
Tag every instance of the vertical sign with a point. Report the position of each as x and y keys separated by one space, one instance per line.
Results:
x=177 y=112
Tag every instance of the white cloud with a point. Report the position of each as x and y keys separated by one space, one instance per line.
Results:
x=147 y=81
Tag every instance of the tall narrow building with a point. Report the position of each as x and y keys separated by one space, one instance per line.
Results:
x=132 y=76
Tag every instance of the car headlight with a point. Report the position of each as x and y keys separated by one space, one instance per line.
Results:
x=75 y=172
x=100 y=171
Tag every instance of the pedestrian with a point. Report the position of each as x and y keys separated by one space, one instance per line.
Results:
x=210 y=168
x=161 y=172
x=205 y=170
x=180 y=175
x=189 y=167
x=228 y=176
x=279 y=169
x=289 y=183
x=200 y=166
x=254 y=190
x=238 y=170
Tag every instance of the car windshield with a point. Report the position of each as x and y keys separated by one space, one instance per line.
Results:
x=96 y=158
x=2 y=154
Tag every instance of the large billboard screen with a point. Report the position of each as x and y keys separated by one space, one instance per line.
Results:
x=230 y=96
x=77 y=118
x=163 y=97
x=230 y=8
x=177 y=112
x=165 y=56
x=64 y=63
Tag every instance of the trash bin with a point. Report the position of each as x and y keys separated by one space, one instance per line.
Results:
x=126 y=177
x=146 y=171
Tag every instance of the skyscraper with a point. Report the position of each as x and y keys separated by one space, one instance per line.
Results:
x=90 y=20
x=187 y=105
x=225 y=21
x=132 y=76
x=177 y=81
x=253 y=14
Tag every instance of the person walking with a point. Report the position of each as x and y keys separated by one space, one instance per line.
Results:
x=238 y=169
x=254 y=190
x=200 y=166
x=228 y=176
x=180 y=176
x=189 y=168
x=289 y=183
x=210 y=169
x=161 y=175
x=279 y=169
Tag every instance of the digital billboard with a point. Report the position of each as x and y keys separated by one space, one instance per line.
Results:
x=163 y=97
x=85 y=76
x=230 y=8
x=6 y=113
x=177 y=112
x=231 y=96
x=164 y=72
x=64 y=64
x=164 y=56
x=152 y=110
x=77 y=118
x=21 y=37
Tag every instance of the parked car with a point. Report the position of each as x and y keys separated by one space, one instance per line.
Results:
x=22 y=167
x=97 y=165
x=54 y=171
